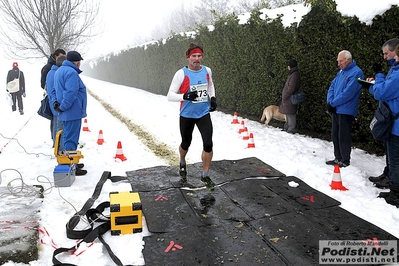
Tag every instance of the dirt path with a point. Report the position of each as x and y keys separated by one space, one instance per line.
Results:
x=160 y=149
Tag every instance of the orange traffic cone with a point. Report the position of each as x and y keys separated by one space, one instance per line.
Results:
x=100 y=139
x=119 y=152
x=235 y=119
x=245 y=135
x=241 y=127
x=85 y=127
x=251 y=143
x=336 y=182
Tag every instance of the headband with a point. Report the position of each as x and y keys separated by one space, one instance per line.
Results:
x=194 y=51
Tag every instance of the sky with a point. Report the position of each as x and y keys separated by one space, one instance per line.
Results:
x=126 y=20
x=29 y=158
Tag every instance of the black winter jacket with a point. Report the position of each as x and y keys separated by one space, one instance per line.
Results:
x=45 y=70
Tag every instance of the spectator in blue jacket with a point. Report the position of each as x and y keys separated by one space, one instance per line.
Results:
x=50 y=89
x=342 y=103
x=388 y=51
x=71 y=100
x=387 y=89
x=44 y=72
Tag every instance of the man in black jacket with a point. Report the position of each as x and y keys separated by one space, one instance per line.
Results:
x=17 y=94
x=50 y=62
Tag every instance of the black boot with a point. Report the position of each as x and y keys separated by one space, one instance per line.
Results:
x=393 y=197
x=383 y=195
x=377 y=178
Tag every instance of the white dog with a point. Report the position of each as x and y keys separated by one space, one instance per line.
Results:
x=270 y=112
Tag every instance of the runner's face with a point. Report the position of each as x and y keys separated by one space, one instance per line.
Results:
x=194 y=61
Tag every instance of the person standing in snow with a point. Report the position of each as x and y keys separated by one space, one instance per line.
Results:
x=44 y=72
x=16 y=73
x=291 y=86
x=193 y=87
x=387 y=89
x=50 y=90
x=388 y=51
x=342 y=103
x=71 y=101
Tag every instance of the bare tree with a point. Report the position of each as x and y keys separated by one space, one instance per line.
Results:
x=35 y=28
x=206 y=12
x=249 y=5
x=182 y=19
x=280 y=3
x=210 y=10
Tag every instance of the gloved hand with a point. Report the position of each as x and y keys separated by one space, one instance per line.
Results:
x=331 y=109
x=24 y=94
x=190 y=96
x=56 y=106
x=213 y=104
x=377 y=68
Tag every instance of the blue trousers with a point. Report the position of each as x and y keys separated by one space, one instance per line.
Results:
x=57 y=125
x=393 y=160
x=71 y=134
x=341 y=136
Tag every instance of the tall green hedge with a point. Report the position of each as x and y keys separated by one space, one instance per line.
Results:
x=242 y=55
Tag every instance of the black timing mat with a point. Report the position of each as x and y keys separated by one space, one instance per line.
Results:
x=214 y=205
x=167 y=210
x=253 y=217
x=228 y=170
x=227 y=243
x=153 y=178
x=263 y=198
x=297 y=235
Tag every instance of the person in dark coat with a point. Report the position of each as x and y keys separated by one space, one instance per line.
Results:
x=50 y=62
x=291 y=86
x=15 y=73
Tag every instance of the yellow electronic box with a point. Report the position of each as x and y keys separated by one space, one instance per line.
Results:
x=65 y=157
x=125 y=213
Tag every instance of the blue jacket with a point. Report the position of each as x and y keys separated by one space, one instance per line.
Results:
x=50 y=88
x=387 y=89
x=71 y=92
x=344 y=91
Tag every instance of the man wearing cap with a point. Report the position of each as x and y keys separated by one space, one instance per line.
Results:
x=16 y=96
x=291 y=86
x=71 y=101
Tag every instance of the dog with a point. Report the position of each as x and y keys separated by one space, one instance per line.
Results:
x=271 y=111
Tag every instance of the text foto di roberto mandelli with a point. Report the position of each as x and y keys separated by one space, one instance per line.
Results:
x=358 y=251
